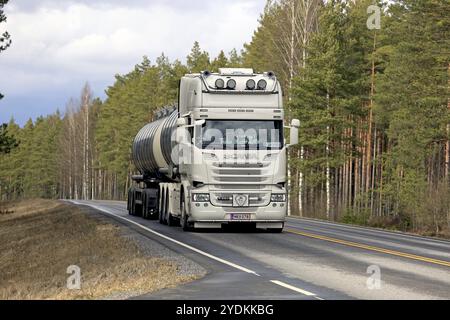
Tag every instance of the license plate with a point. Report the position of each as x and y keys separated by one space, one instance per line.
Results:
x=241 y=216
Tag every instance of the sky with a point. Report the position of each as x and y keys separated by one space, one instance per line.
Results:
x=59 y=45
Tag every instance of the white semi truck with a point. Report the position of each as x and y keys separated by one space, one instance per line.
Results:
x=218 y=157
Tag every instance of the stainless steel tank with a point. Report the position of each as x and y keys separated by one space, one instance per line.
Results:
x=152 y=146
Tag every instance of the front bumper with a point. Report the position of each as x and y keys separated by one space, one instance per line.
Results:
x=206 y=212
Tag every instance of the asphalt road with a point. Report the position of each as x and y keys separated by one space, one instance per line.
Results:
x=309 y=260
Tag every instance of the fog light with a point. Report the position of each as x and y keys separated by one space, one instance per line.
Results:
x=274 y=204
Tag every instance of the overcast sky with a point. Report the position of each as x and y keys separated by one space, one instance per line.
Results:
x=60 y=44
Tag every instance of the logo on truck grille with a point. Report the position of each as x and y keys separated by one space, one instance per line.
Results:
x=240 y=200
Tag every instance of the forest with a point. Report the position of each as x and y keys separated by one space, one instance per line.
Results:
x=373 y=104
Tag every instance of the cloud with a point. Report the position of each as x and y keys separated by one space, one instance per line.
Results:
x=58 y=45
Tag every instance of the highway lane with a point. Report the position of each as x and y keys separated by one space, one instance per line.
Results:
x=310 y=260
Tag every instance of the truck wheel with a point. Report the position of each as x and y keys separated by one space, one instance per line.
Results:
x=129 y=202
x=144 y=206
x=132 y=204
x=171 y=221
x=162 y=211
x=166 y=208
x=169 y=218
x=184 y=217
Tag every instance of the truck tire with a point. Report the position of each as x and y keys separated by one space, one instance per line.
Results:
x=169 y=218
x=129 y=201
x=131 y=211
x=171 y=221
x=185 y=225
x=162 y=211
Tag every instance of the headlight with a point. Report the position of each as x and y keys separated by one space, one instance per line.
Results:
x=278 y=197
x=200 y=197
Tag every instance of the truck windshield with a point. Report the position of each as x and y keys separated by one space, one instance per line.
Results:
x=241 y=134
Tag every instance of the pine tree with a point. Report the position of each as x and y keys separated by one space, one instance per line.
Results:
x=235 y=59
x=197 y=60
x=221 y=61
x=7 y=141
x=5 y=38
x=412 y=102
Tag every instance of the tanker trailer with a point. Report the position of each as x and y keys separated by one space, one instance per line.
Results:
x=219 y=157
x=151 y=154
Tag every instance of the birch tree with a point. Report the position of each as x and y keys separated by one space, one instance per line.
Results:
x=86 y=101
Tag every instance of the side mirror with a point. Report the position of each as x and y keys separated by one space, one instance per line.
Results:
x=199 y=123
x=293 y=139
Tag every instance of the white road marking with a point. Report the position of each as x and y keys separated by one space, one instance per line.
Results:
x=231 y=264
x=288 y=286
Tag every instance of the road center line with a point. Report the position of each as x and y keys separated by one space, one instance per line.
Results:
x=296 y=289
x=231 y=264
x=371 y=248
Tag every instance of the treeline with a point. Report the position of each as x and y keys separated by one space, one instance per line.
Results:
x=373 y=104
x=375 y=111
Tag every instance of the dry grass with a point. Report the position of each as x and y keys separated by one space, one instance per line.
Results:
x=39 y=239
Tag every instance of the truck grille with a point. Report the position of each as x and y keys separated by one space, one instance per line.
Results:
x=239 y=187
x=241 y=173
